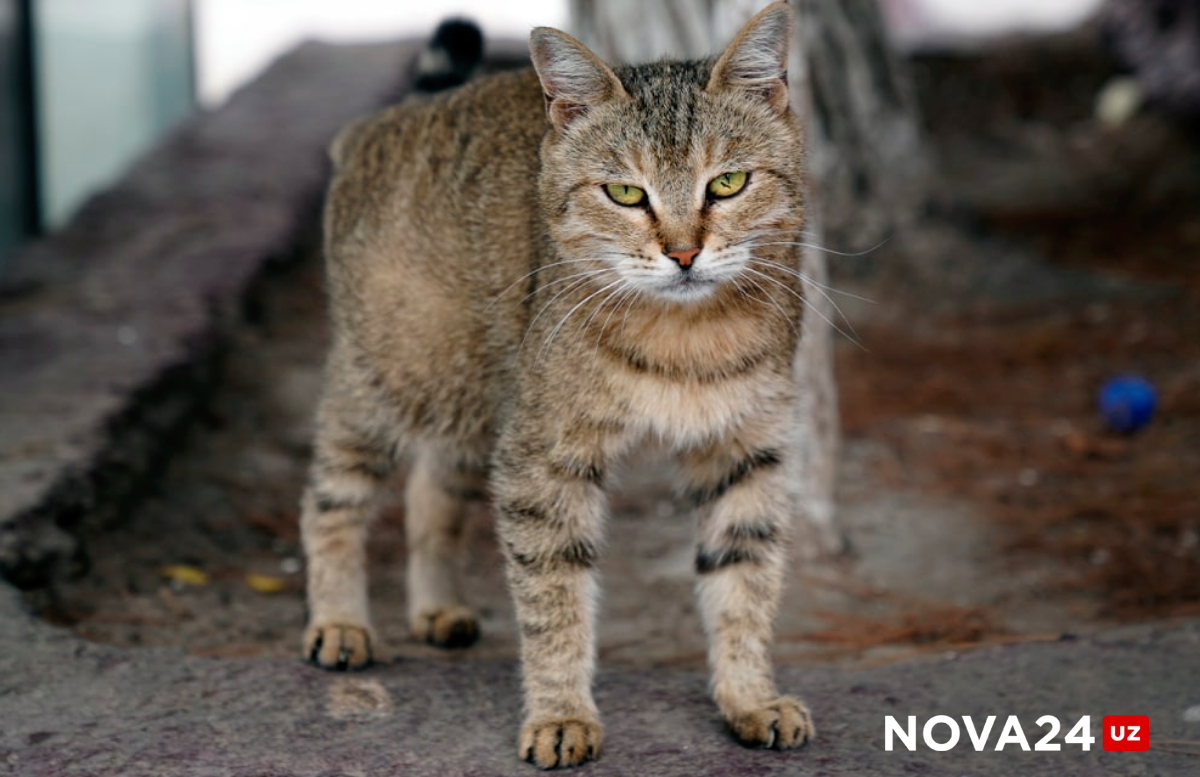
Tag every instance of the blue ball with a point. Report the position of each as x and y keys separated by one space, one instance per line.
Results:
x=1127 y=403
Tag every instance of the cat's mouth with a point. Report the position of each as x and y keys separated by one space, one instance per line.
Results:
x=688 y=287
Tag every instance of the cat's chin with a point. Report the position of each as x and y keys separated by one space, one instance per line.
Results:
x=684 y=291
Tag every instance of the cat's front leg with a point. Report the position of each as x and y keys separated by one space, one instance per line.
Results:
x=550 y=508
x=743 y=499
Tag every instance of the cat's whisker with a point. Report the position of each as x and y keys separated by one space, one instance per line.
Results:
x=791 y=321
x=763 y=234
x=600 y=307
x=595 y=258
x=626 y=296
x=545 y=307
x=818 y=287
x=752 y=241
x=814 y=308
x=532 y=272
x=578 y=305
x=814 y=282
x=625 y=318
x=823 y=249
x=556 y=281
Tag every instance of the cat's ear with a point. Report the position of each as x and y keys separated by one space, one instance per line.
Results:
x=573 y=78
x=756 y=61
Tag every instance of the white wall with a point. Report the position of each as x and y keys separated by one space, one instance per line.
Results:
x=236 y=39
x=915 y=22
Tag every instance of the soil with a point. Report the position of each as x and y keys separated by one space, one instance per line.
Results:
x=980 y=495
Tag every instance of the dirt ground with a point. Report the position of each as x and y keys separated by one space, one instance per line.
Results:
x=981 y=498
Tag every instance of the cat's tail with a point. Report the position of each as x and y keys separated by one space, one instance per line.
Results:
x=452 y=55
x=450 y=59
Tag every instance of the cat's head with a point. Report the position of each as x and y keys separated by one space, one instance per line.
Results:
x=671 y=178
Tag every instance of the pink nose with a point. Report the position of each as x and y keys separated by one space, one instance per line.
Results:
x=684 y=257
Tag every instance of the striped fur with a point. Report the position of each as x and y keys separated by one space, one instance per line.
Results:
x=513 y=331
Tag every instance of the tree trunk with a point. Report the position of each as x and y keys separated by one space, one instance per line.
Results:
x=859 y=114
x=856 y=105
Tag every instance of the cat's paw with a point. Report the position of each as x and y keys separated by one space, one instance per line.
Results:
x=338 y=646
x=446 y=627
x=784 y=723
x=550 y=744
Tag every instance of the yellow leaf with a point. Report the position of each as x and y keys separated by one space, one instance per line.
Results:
x=183 y=574
x=266 y=584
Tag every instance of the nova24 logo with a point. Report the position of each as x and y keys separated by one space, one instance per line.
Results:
x=942 y=732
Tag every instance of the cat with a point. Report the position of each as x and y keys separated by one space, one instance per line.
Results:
x=531 y=275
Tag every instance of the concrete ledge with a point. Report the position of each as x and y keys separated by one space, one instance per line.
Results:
x=111 y=331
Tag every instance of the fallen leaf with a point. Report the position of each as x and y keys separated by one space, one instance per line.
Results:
x=184 y=574
x=266 y=584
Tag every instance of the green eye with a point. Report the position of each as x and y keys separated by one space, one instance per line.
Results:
x=727 y=184
x=625 y=195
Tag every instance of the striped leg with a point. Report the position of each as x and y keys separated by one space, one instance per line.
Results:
x=440 y=491
x=349 y=470
x=550 y=517
x=743 y=499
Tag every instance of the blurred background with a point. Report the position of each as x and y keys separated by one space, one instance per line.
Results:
x=88 y=85
x=1007 y=193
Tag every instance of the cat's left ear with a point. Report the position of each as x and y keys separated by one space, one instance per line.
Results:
x=756 y=61
x=574 y=79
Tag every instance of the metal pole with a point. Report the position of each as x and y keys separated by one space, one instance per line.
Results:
x=27 y=120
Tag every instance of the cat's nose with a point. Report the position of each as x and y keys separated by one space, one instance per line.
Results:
x=684 y=257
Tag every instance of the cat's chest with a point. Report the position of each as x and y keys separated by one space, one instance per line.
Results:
x=689 y=412
x=691 y=382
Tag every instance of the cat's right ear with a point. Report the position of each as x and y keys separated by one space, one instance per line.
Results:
x=574 y=79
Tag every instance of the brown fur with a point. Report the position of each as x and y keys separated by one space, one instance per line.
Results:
x=501 y=321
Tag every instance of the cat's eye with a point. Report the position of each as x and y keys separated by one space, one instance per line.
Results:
x=727 y=184
x=623 y=194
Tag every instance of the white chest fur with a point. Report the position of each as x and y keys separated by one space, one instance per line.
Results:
x=686 y=413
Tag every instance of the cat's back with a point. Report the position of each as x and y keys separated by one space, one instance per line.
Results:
x=431 y=215
x=441 y=166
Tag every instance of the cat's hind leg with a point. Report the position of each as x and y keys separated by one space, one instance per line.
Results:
x=441 y=489
x=354 y=455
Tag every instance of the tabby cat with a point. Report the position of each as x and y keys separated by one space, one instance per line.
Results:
x=530 y=276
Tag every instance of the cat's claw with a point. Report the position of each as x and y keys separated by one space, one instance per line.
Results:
x=781 y=725
x=448 y=627
x=550 y=744
x=337 y=646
